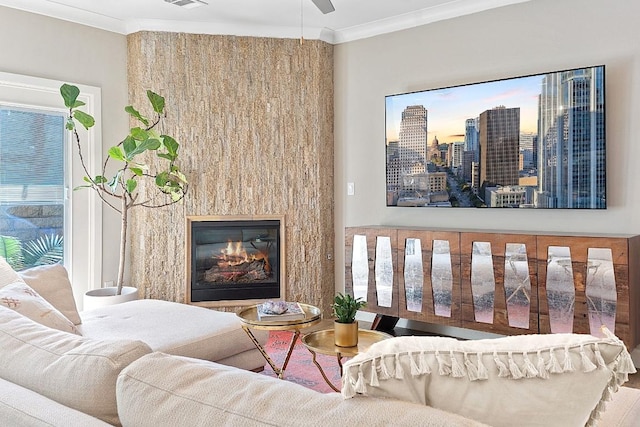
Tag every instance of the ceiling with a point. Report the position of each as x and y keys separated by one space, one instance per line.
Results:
x=352 y=19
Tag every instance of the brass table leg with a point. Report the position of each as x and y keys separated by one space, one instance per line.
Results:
x=339 y=356
x=326 y=379
x=278 y=371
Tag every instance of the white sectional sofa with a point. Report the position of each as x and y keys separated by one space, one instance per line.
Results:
x=44 y=294
x=49 y=349
x=113 y=369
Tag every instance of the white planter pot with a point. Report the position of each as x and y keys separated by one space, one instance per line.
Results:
x=107 y=296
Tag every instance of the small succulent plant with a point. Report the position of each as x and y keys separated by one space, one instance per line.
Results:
x=345 y=307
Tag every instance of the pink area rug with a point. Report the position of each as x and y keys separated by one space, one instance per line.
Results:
x=301 y=369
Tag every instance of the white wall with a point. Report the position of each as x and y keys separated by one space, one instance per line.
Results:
x=38 y=46
x=532 y=37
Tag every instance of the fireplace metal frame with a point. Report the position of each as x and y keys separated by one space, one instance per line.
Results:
x=221 y=218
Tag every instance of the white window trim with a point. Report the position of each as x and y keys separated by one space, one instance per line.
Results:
x=85 y=246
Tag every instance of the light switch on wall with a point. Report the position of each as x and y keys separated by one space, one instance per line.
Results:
x=351 y=189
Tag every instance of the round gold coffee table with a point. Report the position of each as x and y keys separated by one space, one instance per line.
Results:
x=250 y=320
x=323 y=342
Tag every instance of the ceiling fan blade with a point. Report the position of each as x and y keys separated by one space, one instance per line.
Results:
x=325 y=6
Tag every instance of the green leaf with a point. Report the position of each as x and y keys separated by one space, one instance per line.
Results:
x=141 y=147
x=136 y=171
x=99 y=179
x=69 y=94
x=85 y=119
x=152 y=144
x=131 y=185
x=167 y=156
x=170 y=144
x=134 y=113
x=139 y=134
x=345 y=307
x=157 y=101
x=162 y=178
x=71 y=125
x=129 y=145
x=78 y=104
x=46 y=249
x=116 y=154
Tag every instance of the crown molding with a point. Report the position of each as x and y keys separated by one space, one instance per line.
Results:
x=67 y=13
x=231 y=29
x=451 y=9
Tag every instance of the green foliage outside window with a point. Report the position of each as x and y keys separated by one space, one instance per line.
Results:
x=47 y=249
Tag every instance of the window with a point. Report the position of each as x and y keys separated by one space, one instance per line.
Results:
x=32 y=183
x=39 y=167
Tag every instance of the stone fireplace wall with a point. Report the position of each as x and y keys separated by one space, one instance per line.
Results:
x=254 y=117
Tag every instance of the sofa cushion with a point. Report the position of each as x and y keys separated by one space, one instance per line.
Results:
x=20 y=297
x=21 y=407
x=180 y=329
x=551 y=380
x=52 y=283
x=75 y=371
x=160 y=389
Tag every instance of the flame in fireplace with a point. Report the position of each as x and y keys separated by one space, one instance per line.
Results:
x=235 y=254
x=235 y=264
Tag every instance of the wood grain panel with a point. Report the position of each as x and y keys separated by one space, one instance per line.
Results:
x=371 y=234
x=625 y=254
x=428 y=309
x=498 y=243
x=579 y=246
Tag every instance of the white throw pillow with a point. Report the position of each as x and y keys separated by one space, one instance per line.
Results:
x=7 y=274
x=550 y=380
x=21 y=298
x=52 y=283
x=74 y=371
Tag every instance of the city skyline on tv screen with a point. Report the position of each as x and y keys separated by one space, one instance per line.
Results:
x=534 y=141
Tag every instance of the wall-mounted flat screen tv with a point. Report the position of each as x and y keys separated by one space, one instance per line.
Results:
x=535 y=141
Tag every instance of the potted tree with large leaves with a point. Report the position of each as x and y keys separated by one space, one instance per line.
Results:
x=119 y=189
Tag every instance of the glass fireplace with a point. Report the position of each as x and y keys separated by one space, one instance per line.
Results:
x=234 y=261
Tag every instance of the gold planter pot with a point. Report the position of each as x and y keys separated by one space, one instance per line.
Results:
x=346 y=334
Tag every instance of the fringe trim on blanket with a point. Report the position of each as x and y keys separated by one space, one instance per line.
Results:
x=384 y=373
x=472 y=370
x=443 y=367
x=553 y=366
x=374 y=374
x=457 y=369
x=360 y=386
x=568 y=365
x=622 y=367
x=542 y=368
x=587 y=364
x=458 y=364
x=424 y=365
x=415 y=370
x=516 y=373
x=503 y=372
x=483 y=373
x=530 y=370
